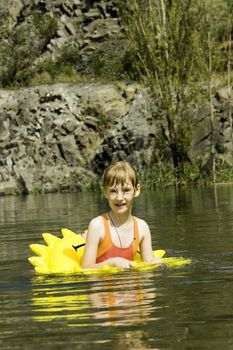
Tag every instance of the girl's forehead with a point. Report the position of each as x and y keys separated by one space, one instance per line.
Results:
x=118 y=183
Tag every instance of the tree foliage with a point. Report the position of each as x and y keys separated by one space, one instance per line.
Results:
x=170 y=40
x=21 y=46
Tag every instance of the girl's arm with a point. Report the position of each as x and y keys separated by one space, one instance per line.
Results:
x=146 y=250
x=92 y=242
x=94 y=236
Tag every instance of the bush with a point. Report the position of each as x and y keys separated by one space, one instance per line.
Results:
x=46 y=27
x=110 y=61
x=66 y=63
x=16 y=57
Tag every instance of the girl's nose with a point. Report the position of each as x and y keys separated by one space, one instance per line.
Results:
x=119 y=195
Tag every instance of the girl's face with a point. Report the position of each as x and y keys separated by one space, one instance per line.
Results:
x=121 y=196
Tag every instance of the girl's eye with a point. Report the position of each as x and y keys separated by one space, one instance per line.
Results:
x=127 y=190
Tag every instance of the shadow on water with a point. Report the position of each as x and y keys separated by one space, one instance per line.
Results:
x=185 y=308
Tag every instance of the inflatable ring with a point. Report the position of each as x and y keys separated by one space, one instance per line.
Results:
x=64 y=255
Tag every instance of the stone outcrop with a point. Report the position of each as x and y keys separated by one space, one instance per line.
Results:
x=60 y=137
x=222 y=136
x=85 y=25
x=57 y=138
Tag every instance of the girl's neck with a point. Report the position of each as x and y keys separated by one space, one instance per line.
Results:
x=120 y=219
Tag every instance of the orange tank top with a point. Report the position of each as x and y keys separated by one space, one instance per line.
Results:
x=107 y=249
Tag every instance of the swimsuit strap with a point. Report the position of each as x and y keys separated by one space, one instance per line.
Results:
x=136 y=235
x=107 y=232
x=106 y=243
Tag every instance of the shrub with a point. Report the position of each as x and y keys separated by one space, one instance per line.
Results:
x=46 y=27
x=17 y=55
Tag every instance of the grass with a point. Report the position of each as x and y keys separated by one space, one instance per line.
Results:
x=165 y=176
x=224 y=175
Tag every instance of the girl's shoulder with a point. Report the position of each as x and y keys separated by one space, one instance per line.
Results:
x=96 y=225
x=97 y=222
x=141 y=222
x=143 y=227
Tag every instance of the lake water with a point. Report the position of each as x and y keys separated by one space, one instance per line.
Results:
x=185 y=308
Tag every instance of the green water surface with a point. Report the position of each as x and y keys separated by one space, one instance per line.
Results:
x=185 y=308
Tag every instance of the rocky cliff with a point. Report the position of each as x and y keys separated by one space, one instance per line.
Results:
x=59 y=138
x=78 y=37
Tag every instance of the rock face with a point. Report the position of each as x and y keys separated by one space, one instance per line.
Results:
x=58 y=138
x=82 y=26
x=222 y=103
x=61 y=137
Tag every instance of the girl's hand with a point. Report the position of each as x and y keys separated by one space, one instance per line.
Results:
x=120 y=262
x=159 y=261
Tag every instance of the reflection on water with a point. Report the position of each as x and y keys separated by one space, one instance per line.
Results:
x=186 y=308
x=107 y=302
x=54 y=300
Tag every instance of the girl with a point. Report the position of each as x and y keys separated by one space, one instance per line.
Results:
x=114 y=237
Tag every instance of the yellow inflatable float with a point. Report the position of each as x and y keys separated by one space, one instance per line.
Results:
x=63 y=256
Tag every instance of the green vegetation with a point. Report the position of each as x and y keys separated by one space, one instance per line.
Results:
x=21 y=47
x=179 y=45
x=224 y=173
x=91 y=185
x=108 y=62
x=162 y=176
x=167 y=43
x=62 y=68
x=46 y=27
x=17 y=55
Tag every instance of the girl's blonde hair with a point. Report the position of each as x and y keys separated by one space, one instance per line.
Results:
x=119 y=173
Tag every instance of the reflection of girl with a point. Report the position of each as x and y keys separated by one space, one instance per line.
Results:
x=113 y=238
x=116 y=306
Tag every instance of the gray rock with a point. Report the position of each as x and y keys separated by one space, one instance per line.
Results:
x=60 y=137
x=4 y=129
x=60 y=129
